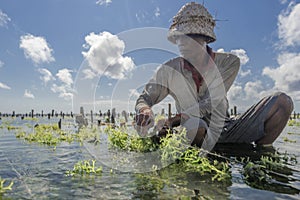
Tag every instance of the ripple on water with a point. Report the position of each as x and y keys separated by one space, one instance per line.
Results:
x=38 y=172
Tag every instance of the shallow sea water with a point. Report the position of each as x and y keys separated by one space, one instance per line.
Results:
x=38 y=172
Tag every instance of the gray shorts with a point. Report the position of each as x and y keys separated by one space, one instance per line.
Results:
x=249 y=127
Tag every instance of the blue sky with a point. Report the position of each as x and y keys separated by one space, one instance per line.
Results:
x=50 y=50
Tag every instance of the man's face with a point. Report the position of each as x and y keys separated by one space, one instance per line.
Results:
x=192 y=47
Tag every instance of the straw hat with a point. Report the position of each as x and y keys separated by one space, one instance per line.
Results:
x=192 y=18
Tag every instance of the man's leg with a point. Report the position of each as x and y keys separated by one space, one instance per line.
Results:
x=196 y=130
x=199 y=138
x=277 y=118
x=262 y=123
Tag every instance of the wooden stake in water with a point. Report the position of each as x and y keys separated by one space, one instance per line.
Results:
x=169 y=111
x=59 y=124
x=235 y=111
x=124 y=114
x=108 y=115
x=113 y=115
x=81 y=111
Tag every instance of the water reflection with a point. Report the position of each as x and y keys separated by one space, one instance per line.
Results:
x=279 y=179
x=32 y=166
x=175 y=181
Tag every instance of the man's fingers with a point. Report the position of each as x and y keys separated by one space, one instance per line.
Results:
x=148 y=120
x=143 y=120
x=139 y=119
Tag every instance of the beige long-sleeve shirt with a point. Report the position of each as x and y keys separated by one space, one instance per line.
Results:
x=173 y=79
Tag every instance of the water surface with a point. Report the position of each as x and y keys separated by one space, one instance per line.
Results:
x=38 y=172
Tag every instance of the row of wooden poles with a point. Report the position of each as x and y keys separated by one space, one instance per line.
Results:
x=109 y=115
x=34 y=114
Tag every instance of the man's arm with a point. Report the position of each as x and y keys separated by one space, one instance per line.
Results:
x=155 y=90
x=228 y=65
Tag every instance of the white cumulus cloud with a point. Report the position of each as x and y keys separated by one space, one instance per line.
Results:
x=1 y=64
x=289 y=25
x=104 y=2
x=36 y=48
x=254 y=90
x=89 y=74
x=28 y=94
x=105 y=55
x=235 y=92
x=65 y=76
x=46 y=75
x=221 y=50
x=245 y=73
x=286 y=77
x=4 y=86
x=241 y=53
x=65 y=89
x=4 y=19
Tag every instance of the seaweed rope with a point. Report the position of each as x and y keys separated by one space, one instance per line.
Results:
x=20 y=177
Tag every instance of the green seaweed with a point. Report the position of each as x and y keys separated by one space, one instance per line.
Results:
x=85 y=167
x=119 y=138
x=173 y=147
x=285 y=139
x=204 y=165
x=10 y=128
x=293 y=122
x=5 y=187
x=48 y=134
x=293 y=133
x=51 y=135
x=263 y=173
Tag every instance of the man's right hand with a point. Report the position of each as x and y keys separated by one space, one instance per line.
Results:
x=144 y=117
x=144 y=121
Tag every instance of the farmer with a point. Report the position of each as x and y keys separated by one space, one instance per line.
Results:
x=199 y=81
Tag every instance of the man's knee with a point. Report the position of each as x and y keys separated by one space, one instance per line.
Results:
x=284 y=102
x=277 y=117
